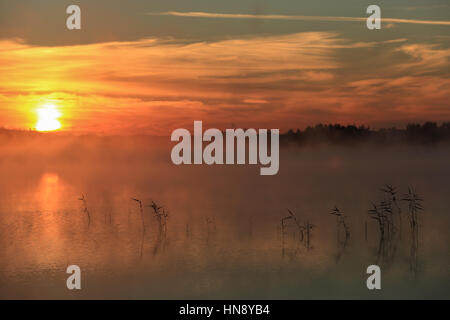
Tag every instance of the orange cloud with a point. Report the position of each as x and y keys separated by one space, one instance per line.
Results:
x=156 y=85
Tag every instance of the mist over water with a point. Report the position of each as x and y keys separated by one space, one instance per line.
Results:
x=224 y=237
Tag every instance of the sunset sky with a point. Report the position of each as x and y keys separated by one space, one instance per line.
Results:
x=153 y=66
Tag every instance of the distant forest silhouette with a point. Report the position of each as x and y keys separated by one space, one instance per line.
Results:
x=427 y=133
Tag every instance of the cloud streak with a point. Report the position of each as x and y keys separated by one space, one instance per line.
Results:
x=279 y=81
x=291 y=17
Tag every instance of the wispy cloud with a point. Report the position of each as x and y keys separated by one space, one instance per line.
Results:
x=290 y=17
x=426 y=57
x=159 y=83
x=283 y=81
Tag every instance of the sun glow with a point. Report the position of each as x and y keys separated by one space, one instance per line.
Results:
x=48 y=116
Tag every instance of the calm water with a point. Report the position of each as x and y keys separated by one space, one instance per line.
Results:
x=223 y=237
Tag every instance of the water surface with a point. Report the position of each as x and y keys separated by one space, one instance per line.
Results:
x=223 y=237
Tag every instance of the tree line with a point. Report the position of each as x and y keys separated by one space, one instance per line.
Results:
x=427 y=133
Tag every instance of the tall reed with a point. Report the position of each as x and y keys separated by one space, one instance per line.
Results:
x=85 y=208
x=414 y=208
x=141 y=210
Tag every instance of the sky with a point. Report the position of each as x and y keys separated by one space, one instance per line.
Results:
x=154 y=66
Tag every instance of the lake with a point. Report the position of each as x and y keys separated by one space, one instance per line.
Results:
x=222 y=237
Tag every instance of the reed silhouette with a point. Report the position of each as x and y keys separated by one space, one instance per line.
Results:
x=395 y=210
x=388 y=214
x=342 y=231
x=382 y=213
x=296 y=235
x=85 y=208
x=161 y=217
x=304 y=232
x=141 y=210
x=415 y=206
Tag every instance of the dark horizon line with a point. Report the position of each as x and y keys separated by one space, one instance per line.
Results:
x=330 y=127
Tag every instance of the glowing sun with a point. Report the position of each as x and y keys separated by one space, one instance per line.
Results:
x=48 y=116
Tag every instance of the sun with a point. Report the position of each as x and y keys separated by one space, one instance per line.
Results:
x=48 y=116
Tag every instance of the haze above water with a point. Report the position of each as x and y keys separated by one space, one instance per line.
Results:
x=224 y=237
